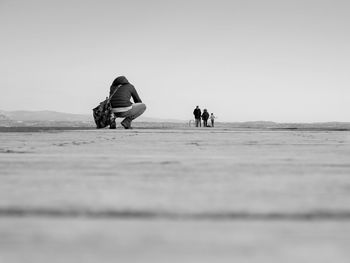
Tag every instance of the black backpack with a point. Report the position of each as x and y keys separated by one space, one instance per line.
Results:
x=103 y=112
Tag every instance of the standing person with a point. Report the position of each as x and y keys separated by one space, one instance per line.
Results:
x=121 y=104
x=212 y=118
x=197 y=116
x=205 y=117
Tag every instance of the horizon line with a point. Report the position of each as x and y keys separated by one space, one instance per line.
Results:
x=186 y=120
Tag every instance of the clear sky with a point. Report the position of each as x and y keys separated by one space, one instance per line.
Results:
x=245 y=60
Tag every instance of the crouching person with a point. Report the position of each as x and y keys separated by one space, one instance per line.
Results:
x=121 y=92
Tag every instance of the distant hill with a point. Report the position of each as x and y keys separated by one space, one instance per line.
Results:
x=45 y=116
x=4 y=117
x=5 y=120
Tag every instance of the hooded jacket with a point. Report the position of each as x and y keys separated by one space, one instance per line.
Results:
x=124 y=93
x=205 y=115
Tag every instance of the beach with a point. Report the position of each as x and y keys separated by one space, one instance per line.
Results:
x=175 y=195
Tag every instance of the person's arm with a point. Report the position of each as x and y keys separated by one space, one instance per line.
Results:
x=135 y=96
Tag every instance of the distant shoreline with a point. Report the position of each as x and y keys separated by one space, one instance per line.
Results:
x=167 y=127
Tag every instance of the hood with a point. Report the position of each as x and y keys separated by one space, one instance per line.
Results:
x=120 y=80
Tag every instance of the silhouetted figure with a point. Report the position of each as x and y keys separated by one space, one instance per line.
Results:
x=212 y=118
x=121 y=104
x=205 y=117
x=197 y=116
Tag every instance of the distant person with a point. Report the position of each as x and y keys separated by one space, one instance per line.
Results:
x=197 y=116
x=212 y=118
x=205 y=117
x=121 y=104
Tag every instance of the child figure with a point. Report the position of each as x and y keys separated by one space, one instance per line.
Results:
x=212 y=118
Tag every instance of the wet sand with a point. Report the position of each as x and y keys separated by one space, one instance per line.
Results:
x=175 y=195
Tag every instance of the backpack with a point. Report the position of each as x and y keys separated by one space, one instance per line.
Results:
x=103 y=112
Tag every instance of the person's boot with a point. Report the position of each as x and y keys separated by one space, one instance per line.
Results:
x=113 y=125
x=126 y=124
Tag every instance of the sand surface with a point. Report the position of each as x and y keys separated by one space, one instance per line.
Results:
x=175 y=195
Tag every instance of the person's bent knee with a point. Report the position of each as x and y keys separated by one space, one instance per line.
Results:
x=139 y=109
x=143 y=107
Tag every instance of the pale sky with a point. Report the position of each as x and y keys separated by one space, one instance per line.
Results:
x=245 y=60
